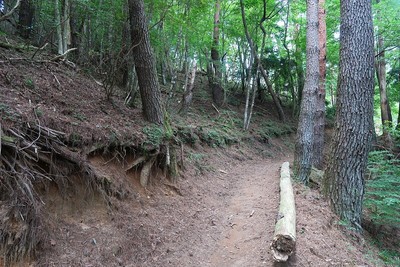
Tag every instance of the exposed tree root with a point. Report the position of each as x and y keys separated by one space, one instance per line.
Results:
x=29 y=157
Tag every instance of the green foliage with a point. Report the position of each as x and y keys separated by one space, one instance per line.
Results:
x=79 y=116
x=6 y=113
x=155 y=135
x=75 y=140
x=390 y=257
x=39 y=112
x=382 y=197
x=29 y=83
x=274 y=129
x=198 y=161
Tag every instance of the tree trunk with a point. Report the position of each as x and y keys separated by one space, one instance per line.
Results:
x=25 y=19
x=386 y=114
x=253 y=51
x=284 y=242
x=66 y=25
x=59 y=27
x=344 y=177
x=188 y=94
x=289 y=60
x=145 y=63
x=218 y=93
x=319 y=127
x=305 y=131
x=299 y=70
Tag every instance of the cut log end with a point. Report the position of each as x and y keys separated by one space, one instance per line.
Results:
x=282 y=247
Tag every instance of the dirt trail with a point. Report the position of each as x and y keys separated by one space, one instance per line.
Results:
x=221 y=217
x=250 y=216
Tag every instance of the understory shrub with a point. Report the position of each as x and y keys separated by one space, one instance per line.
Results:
x=382 y=197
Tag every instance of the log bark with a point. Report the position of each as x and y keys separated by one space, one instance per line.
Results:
x=284 y=241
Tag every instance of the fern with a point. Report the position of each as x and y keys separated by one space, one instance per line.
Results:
x=382 y=197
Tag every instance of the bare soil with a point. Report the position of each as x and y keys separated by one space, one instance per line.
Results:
x=221 y=212
x=221 y=216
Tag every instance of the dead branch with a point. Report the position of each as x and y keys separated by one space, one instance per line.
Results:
x=135 y=163
x=145 y=173
x=62 y=56
x=6 y=16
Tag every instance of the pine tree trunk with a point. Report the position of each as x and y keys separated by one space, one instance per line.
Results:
x=319 y=127
x=145 y=63
x=344 y=177
x=305 y=130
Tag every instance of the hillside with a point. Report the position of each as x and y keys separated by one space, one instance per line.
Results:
x=71 y=164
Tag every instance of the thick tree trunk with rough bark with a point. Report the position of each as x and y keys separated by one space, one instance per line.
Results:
x=319 y=127
x=145 y=63
x=344 y=177
x=305 y=131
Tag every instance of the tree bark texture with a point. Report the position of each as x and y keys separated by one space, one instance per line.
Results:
x=305 y=130
x=319 y=127
x=284 y=241
x=25 y=18
x=344 y=177
x=145 y=63
x=218 y=93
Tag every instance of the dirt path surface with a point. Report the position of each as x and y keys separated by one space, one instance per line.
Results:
x=250 y=216
x=221 y=215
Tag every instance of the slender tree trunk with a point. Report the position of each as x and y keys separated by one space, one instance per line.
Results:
x=303 y=157
x=386 y=114
x=188 y=94
x=145 y=63
x=344 y=177
x=299 y=70
x=218 y=93
x=289 y=60
x=59 y=27
x=253 y=50
x=66 y=25
x=398 y=117
x=319 y=128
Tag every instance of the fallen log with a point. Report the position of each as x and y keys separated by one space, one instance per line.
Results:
x=284 y=241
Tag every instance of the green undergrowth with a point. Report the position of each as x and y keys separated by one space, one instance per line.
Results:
x=382 y=196
x=382 y=202
x=226 y=129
